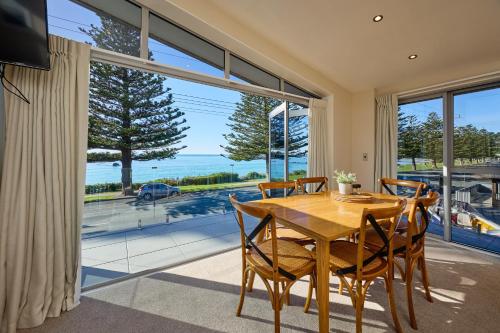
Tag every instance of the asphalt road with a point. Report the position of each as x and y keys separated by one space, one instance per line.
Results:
x=117 y=215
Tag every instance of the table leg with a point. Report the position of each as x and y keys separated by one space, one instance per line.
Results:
x=323 y=286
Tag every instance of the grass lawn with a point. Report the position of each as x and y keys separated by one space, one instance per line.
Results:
x=184 y=189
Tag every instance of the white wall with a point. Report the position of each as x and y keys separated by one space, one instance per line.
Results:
x=363 y=137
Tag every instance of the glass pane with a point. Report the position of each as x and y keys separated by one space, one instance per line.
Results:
x=73 y=21
x=298 y=123
x=249 y=73
x=290 y=88
x=476 y=176
x=420 y=150
x=277 y=145
x=171 y=45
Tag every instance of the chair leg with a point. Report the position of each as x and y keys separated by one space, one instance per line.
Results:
x=392 y=304
x=242 y=292
x=277 y=307
x=251 y=278
x=341 y=287
x=425 y=279
x=409 y=292
x=359 y=306
x=312 y=285
x=286 y=293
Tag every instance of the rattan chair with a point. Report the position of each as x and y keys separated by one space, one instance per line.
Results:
x=354 y=261
x=303 y=182
x=275 y=260
x=385 y=184
x=411 y=248
x=266 y=189
x=281 y=231
x=418 y=187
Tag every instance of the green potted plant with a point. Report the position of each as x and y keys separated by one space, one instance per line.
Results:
x=345 y=181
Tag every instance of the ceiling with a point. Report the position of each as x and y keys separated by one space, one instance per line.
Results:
x=339 y=39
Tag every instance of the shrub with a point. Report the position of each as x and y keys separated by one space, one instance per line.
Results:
x=214 y=178
x=254 y=175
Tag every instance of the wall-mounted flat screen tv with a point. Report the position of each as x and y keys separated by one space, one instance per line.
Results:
x=24 y=33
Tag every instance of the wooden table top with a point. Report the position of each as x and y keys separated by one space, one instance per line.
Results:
x=319 y=215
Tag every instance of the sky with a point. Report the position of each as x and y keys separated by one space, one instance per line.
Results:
x=481 y=109
x=206 y=108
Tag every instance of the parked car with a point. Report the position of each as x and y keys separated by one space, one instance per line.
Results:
x=157 y=190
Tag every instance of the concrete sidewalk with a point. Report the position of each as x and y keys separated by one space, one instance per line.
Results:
x=115 y=255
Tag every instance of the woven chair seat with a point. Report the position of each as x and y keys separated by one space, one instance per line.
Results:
x=344 y=254
x=375 y=243
x=292 y=257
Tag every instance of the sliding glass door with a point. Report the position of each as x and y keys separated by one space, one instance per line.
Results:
x=475 y=208
x=452 y=142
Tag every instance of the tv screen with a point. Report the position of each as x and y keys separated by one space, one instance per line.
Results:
x=24 y=33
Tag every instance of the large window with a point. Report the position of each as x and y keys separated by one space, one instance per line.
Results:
x=164 y=153
x=163 y=156
x=472 y=206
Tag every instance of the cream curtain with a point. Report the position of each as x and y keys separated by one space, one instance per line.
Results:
x=317 y=161
x=386 y=137
x=41 y=198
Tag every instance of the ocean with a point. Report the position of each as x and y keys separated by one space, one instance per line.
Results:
x=183 y=165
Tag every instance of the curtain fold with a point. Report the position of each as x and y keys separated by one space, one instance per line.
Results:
x=317 y=161
x=41 y=198
x=386 y=138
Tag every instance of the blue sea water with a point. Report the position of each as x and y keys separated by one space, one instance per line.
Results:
x=183 y=165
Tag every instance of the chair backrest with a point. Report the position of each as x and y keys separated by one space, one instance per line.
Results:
x=371 y=216
x=418 y=218
x=267 y=219
x=386 y=182
x=290 y=187
x=302 y=182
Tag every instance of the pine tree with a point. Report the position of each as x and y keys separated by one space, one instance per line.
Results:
x=410 y=139
x=249 y=136
x=130 y=111
x=432 y=132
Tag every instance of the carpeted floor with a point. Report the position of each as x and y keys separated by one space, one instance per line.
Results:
x=202 y=297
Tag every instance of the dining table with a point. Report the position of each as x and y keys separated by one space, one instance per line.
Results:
x=325 y=218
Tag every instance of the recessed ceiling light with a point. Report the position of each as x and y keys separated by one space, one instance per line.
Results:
x=412 y=56
x=377 y=18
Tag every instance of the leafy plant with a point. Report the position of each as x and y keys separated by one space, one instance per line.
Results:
x=343 y=177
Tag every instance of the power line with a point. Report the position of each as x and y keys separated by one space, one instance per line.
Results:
x=182 y=100
x=208 y=99
x=56 y=26
x=204 y=110
x=171 y=54
x=63 y=19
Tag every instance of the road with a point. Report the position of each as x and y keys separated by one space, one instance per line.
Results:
x=116 y=215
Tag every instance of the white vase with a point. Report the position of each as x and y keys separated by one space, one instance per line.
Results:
x=345 y=188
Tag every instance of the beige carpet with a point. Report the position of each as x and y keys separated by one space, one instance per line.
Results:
x=202 y=297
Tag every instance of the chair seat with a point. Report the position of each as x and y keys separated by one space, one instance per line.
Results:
x=375 y=243
x=292 y=257
x=343 y=254
x=293 y=236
